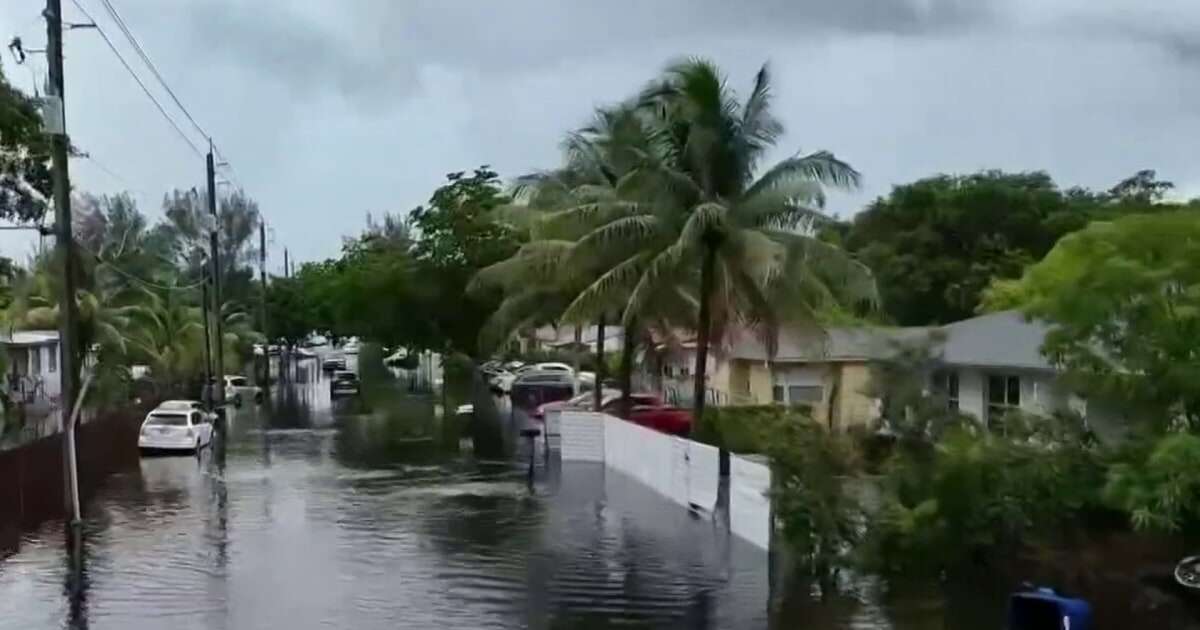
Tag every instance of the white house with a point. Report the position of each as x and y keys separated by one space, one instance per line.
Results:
x=993 y=363
x=32 y=373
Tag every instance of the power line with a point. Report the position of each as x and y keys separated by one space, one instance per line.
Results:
x=145 y=57
x=138 y=79
x=137 y=47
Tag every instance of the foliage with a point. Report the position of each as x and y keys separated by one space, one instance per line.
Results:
x=1160 y=489
x=821 y=519
x=979 y=497
x=937 y=243
x=1123 y=302
x=747 y=429
x=24 y=157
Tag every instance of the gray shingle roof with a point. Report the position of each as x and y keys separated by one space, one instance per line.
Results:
x=1002 y=339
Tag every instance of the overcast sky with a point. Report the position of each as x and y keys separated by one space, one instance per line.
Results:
x=329 y=110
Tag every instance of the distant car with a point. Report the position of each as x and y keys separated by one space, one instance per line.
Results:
x=532 y=389
x=333 y=363
x=238 y=390
x=547 y=367
x=344 y=384
x=351 y=347
x=169 y=430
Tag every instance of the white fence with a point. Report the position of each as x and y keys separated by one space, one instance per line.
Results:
x=684 y=471
x=749 y=503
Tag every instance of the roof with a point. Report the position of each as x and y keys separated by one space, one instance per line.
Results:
x=30 y=338
x=833 y=344
x=1003 y=339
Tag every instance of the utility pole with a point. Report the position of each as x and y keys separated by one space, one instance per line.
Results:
x=287 y=273
x=262 y=310
x=218 y=341
x=64 y=246
x=207 y=392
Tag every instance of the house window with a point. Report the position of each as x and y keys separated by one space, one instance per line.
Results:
x=804 y=394
x=1004 y=394
x=35 y=360
x=52 y=358
x=945 y=383
x=777 y=393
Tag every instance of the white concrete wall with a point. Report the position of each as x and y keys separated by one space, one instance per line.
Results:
x=582 y=436
x=684 y=471
x=749 y=501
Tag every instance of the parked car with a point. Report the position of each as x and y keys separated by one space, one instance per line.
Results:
x=552 y=366
x=238 y=390
x=333 y=363
x=581 y=402
x=170 y=430
x=532 y=389
x=344 y=383
x=185 y=405
x=351 y=347
x=665 y=418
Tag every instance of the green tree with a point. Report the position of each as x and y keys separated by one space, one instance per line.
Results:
x=24 y=157
x=1123 y=301
x=456 y=236
x=937 y=243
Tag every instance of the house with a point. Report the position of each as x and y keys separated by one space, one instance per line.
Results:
x=32 y=365
x=983 y=366
x=563 y=338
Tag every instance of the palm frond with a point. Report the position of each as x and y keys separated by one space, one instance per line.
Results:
x=605 y=291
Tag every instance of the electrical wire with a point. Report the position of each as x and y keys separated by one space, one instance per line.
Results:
x=115 y=15
x=138 y=79
x=137 y=47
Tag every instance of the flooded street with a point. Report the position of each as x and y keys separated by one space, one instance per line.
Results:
x=318 y=518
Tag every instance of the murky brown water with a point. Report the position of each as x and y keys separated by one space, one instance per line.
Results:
x=318 y=519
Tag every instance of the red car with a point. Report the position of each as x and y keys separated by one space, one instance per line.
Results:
x=648 y=410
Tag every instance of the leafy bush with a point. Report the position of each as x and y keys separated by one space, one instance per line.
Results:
x=1160 y=489
x=821 y=520
x=977 y=498
x=749 y=429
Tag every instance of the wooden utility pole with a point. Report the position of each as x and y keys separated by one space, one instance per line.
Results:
x=262 y=310
x=68 y=369
x=214 y=244
x=287 y=273
x=206 y=393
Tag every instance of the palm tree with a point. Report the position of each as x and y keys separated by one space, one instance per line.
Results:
x=559 y=209
x=698 y=224
x=169 y=336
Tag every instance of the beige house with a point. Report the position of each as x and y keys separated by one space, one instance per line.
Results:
x=984 y=366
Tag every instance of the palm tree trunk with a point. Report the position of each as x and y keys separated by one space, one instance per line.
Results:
x=598 y=397
x=705 y=324
x=628 y=347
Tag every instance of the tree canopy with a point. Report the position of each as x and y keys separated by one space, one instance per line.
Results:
x=1123 y=301
x=937 y=243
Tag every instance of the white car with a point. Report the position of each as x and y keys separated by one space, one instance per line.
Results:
x=547 y=367
x=175 y=430
x=185 y=405
x=238 y=390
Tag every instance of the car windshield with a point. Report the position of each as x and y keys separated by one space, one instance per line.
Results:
x=237 y=382
x=168 y=420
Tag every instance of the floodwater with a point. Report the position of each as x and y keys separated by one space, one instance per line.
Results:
x=319 y=517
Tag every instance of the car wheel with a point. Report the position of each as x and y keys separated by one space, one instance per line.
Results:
x=258 y=398
x=237 y=401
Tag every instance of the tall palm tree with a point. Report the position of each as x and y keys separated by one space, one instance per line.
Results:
x=698 y=222
x=559 y=209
